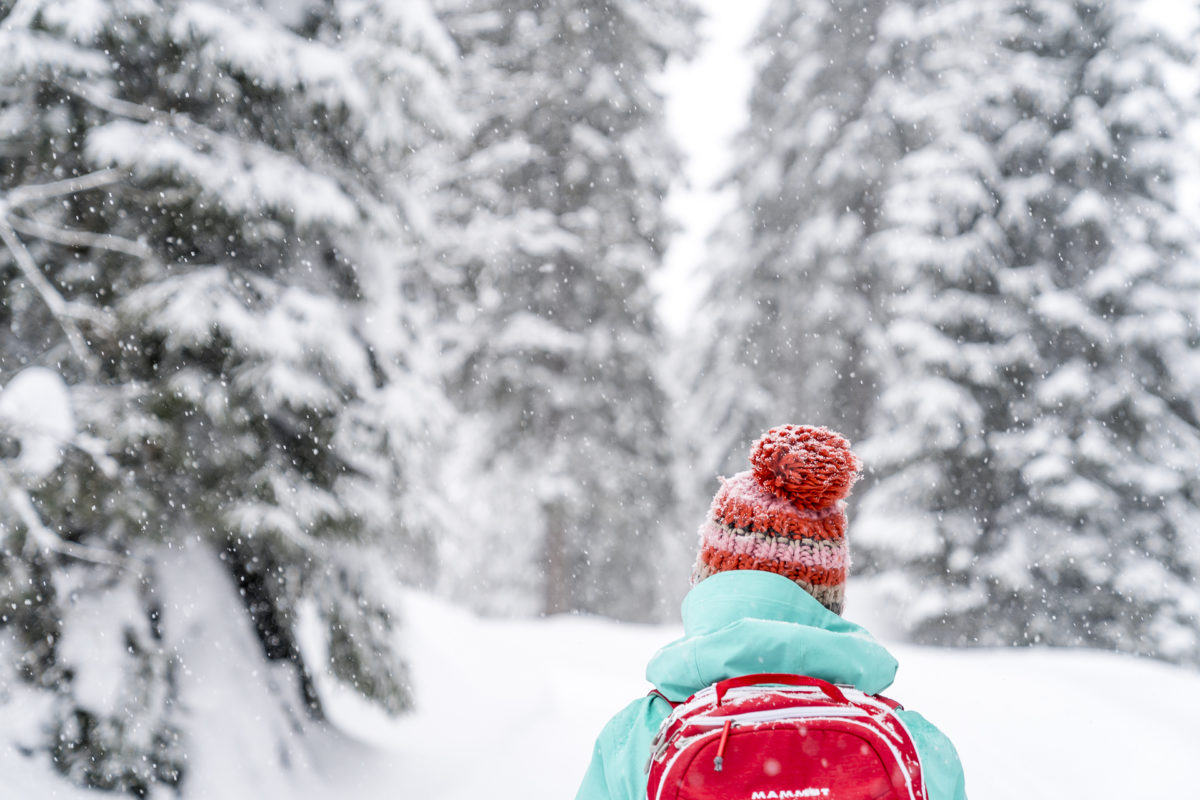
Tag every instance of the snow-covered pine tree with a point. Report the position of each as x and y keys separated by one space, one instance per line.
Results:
x=785 y=327
x=403 y=152
x=984 y=195
x=51 y=318
x=1037 y=435
x=565 y=469
x=195 y=199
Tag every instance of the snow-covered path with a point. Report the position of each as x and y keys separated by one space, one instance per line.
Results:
x=503 y=707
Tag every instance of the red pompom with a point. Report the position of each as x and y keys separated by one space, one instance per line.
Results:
x=811 y=467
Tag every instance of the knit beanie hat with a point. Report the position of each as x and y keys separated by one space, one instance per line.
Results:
x=786 y=514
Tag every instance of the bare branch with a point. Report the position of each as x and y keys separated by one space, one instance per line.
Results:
x=76 y=238
x=94 y=449
x=46 y=539
x=106 y=102
x=123 y=108
x=66 y=314
x=23 y=195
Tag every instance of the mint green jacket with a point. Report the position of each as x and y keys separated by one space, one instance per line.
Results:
x=744 y=622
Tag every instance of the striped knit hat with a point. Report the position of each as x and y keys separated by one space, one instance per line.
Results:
x=787 y=514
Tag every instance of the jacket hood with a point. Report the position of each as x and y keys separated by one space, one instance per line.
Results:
x=742 y=622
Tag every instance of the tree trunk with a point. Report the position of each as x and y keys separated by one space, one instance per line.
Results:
x=554 y=560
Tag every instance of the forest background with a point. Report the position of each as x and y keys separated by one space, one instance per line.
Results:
x=349 y=295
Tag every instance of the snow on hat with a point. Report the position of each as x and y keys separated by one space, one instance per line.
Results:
x=786 y=514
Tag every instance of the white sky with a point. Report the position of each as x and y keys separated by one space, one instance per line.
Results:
x=706 y=107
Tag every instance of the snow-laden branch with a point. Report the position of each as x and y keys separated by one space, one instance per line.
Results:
x=139 y=112
x=188 y=129
x=368 y=202
x=142 y=113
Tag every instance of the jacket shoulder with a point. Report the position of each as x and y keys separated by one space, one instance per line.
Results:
x=617 y=769
x=940 y=763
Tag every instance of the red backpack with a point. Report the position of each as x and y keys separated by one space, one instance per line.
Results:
x=777 y=737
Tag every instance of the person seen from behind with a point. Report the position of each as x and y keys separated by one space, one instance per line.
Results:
x=766 y=600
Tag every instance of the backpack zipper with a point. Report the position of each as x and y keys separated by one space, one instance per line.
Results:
x=772 y=714
x=661 y=741
x=705 y=695
x=719 y=761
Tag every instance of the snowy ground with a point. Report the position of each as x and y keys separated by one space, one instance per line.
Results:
x=510 y=708
x=1064 y=724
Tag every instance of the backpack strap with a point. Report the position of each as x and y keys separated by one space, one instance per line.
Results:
x=787 y=679
x=656 y=692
